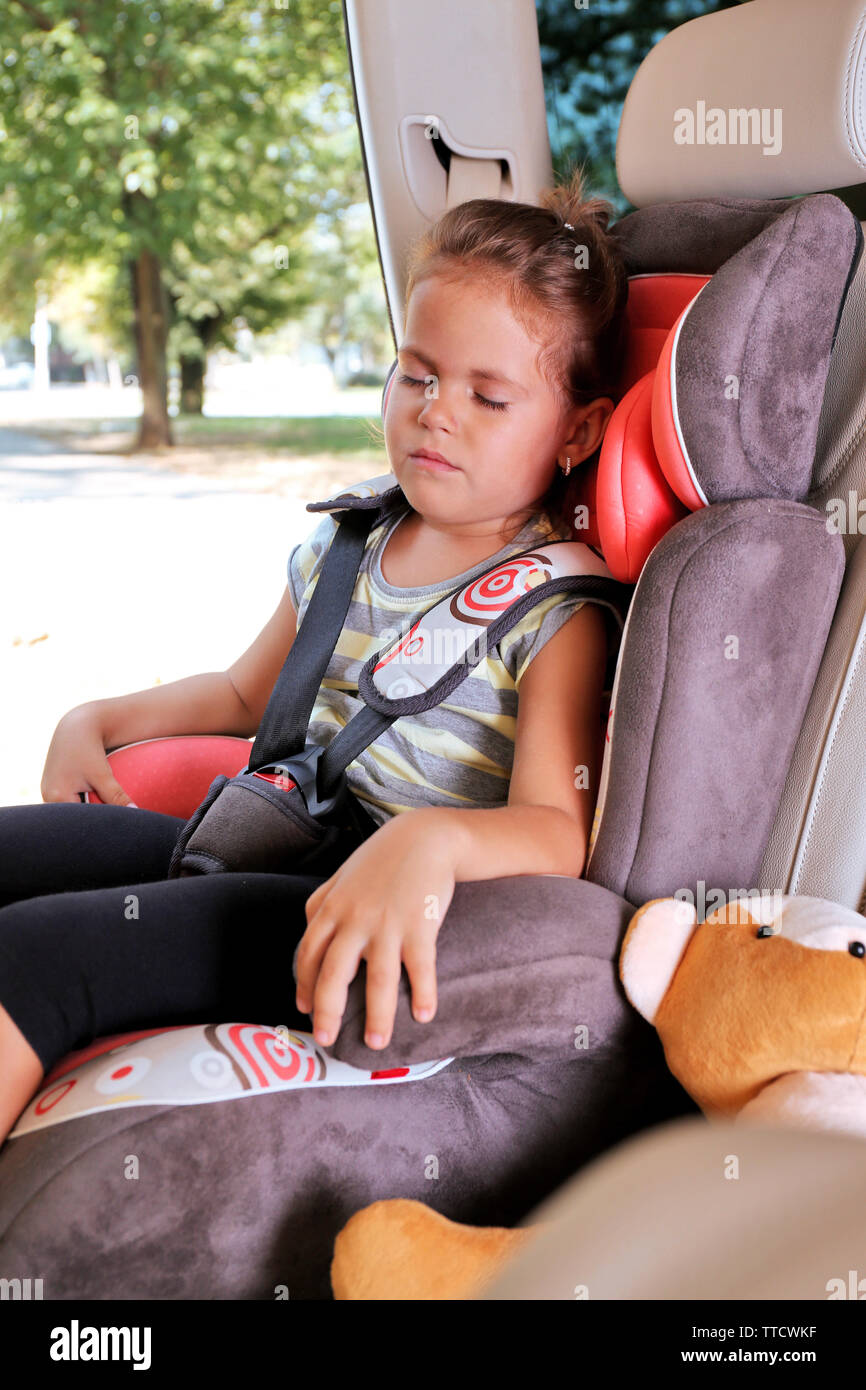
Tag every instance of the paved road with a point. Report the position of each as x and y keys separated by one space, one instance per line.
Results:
x=115 y=576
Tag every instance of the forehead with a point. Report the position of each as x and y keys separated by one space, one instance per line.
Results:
x=471 y=324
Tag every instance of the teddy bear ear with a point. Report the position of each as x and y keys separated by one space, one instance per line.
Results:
x=654 y=944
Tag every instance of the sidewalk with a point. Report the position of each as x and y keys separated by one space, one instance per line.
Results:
x=104 y=564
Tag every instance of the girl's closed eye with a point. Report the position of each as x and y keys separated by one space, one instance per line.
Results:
x=483 y=400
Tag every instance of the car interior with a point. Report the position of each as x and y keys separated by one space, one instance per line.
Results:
x=737 y=775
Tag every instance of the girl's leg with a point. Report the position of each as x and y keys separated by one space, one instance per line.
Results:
x=20 y=1072
x=66 y=846
x=54 y=847
x=77 y=966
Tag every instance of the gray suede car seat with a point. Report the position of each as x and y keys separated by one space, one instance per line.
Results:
x=723 y=640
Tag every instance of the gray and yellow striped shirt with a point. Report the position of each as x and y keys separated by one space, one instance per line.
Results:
x=460 y=753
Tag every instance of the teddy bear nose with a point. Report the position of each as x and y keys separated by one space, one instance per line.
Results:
x=856 y=948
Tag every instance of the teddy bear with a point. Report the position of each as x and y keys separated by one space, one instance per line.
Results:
x=761 y=1011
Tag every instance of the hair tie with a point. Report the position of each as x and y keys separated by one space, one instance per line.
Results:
x=568 y=225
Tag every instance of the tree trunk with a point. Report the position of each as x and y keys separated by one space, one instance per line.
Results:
x=192 y=385
x=193 y=370
x=151 y=336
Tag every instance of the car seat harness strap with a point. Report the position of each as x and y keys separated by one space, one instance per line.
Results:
x=291 y=808
x=283 y=728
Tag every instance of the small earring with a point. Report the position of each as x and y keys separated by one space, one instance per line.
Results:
x=567 y=468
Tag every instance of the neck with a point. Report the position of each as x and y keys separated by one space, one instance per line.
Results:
x=493 y=531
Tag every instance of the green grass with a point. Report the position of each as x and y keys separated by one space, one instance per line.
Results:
x=331 y=434
x=305 y=437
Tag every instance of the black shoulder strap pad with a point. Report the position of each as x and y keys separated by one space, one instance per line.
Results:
x=381 y=493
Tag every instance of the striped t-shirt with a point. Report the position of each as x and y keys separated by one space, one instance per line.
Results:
x=460 y=753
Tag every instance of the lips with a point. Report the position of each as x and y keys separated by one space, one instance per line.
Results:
x=428 y=458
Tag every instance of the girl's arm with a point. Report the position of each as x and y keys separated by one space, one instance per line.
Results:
x=546 y=825
x=386 y=903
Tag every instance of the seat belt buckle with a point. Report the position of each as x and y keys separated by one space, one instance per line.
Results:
x=283 y=830
x=301 y=772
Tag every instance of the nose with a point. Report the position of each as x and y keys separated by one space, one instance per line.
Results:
x=436 y=410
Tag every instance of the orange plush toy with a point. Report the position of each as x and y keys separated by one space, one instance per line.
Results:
x=761 y=1011
x=403 y=1250
x=760 y=1016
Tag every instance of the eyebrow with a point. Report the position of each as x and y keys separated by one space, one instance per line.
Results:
x=480 y=373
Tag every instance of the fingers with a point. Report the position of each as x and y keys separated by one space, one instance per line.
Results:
x=106 y=788
x=338 y=969
x=419 y=957
x=109 y=790
x=383 y=987
x=330 y=954
x=317 y=897
x=56 y=791
x=313 y=943
x=311 y=950
x=328 y=967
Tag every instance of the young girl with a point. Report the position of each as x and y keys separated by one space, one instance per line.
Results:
x=509 y=359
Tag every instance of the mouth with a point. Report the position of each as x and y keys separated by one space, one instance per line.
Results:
x=435 y=463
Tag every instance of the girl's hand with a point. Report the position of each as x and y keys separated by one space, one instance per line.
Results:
x=384 y=905
x=76 y=762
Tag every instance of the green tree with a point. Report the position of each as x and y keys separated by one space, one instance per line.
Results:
x=252 y=274
x=166 y=136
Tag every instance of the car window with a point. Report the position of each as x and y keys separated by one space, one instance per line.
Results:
x=590 y=53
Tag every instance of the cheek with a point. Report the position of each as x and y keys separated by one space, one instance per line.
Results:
x=401 y=410
x=525 y=460
x=400 y=426
x=526 y=443
x=391 y=423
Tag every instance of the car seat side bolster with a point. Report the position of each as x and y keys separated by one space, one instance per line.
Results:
x=537 y=979
x=726 y=631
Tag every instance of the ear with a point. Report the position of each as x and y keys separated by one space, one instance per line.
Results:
x=587 y=427
x=655 y=942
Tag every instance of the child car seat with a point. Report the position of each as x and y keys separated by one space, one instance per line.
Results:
x=785 y=55
x=724 y=635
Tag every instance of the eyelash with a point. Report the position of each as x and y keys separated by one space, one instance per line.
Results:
x=490 y=405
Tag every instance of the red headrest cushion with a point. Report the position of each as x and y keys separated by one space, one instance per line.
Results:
x=643 y=486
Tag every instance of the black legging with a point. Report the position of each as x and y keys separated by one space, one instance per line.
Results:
x=94 y=939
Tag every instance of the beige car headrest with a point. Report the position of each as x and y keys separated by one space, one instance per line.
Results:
x=764 y=100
